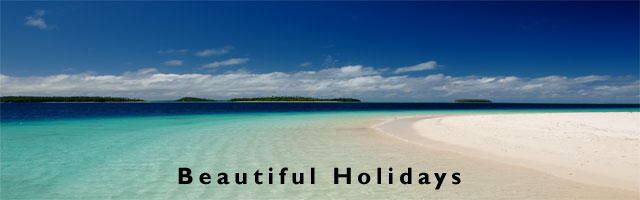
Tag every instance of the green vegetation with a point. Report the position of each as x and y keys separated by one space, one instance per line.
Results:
x=36 y=99
x=39 y=99
x=293 y=98
x=472 y=101
x=194 y=99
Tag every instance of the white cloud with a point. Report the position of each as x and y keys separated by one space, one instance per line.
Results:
x=305 y=64
x=37 y=20
x=214 y=52
x=173 y=62
x=232 y=61
x=419 y=67
x=356 y=81
x=173 y=51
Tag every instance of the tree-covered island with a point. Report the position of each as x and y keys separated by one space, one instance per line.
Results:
x=52 y=99
x=472 y=101
x=294 y=98
x=42 y=99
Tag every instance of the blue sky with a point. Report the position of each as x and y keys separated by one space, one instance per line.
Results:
x=466 y=41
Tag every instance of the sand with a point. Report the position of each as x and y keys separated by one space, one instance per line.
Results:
x=598 y=148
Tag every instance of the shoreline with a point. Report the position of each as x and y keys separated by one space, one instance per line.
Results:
x=146 y=151
x=428 y=132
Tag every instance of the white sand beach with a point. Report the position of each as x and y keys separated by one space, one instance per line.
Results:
x=595 y=148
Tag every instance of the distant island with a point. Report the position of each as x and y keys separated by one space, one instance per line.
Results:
x=194 y=99
x=294 y=98
x=472 y=101
x=41 y=99
x=62 y=99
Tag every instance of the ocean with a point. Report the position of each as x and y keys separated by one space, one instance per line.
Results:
x=134 y=150
x=57 y=111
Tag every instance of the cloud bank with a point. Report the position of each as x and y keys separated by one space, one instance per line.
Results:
x=356 y=81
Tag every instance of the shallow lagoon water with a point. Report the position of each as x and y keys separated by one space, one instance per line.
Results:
x=138 y=158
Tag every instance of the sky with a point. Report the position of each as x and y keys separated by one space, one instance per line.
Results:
x=374 y=51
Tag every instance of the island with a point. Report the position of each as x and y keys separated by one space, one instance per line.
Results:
x=41 y=99
x=194 y=99
x=294 y=98
x=472 y=101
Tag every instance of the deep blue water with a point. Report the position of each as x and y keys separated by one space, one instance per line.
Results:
x=50 y=111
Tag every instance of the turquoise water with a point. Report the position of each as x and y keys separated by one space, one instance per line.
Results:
x=138 y=157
